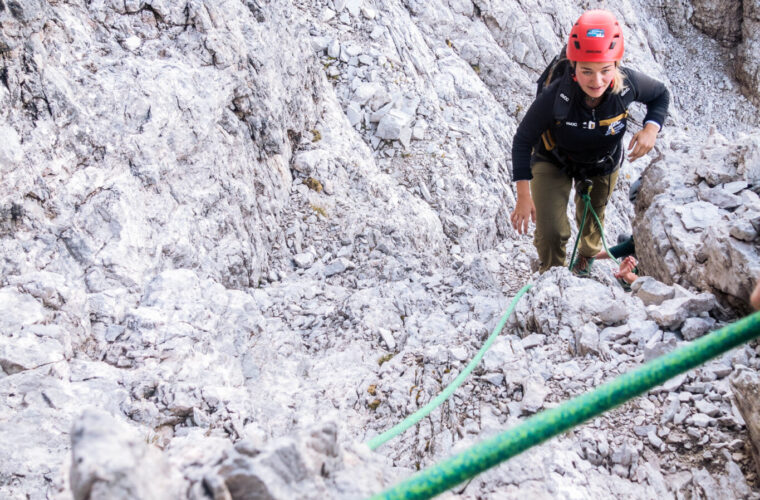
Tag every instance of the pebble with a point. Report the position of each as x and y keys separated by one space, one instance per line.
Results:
x=387 y=337
x=736 y=445
x=654 y=439
x=614 y=333
x=337 y=266
x=707 y=408
x=681 y=416
x=333 y=49
x=646 y=405
x=533 y=340
x=694 y=432
x=304 y=260
x=721 y=370
x=377 y=33
x=700 y=420
x=327 y=15
x=459 y=353
x=676 y=437
x=535 y=393
x=369 y=13
x=496 y=379
x=696 y=388
x=674 y=383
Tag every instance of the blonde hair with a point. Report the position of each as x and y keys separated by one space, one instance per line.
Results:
x=618 y=82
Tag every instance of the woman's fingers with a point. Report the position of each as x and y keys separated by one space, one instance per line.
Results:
x=642 y=142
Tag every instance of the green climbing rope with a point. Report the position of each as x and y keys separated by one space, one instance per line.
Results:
x=549 y=423
x=587 y=200
x=415 y=417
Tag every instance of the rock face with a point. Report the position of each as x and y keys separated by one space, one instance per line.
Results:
x=696 y=226
x=745 y=385
x=748 y=60
x=112 y=460
x=721 y=20
x=225 y=224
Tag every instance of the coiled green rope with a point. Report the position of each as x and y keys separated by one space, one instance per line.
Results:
x=415 y=417
x=456 y=469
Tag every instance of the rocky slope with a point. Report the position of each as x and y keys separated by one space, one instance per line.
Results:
x=240 y=238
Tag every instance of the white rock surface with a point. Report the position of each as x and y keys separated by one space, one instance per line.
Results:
x=226 y=224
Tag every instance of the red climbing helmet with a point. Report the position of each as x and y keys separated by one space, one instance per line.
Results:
x=595 y=37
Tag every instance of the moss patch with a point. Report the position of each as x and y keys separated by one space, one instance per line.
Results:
x=385 y=358
x=321 y=211
x=313 y=184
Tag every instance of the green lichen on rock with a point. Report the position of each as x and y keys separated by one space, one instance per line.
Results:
x=321 y=211
x=385 y=358
x=313 y=184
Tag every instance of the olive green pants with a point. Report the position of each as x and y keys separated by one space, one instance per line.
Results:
x=550 y=189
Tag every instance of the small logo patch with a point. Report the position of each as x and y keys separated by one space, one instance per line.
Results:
x=571 y=124
x=615 y=128
x=595 y=33
x=564 y=98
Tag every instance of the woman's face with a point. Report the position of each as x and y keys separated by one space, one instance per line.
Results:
x=594 y=77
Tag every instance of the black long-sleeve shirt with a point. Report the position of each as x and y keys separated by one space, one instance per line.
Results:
x=586 y=133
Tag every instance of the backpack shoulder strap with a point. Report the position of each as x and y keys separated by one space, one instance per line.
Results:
x=628 y=94
x=564 y=97
x=626 y=97
x=546 y=77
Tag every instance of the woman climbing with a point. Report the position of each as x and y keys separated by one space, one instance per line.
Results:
x=574 y=130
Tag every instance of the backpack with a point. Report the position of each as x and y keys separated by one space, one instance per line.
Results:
x=557 y=68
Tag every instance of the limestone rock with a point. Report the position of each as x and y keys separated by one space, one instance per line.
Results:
x=745 y=385
x=673 y=312
x=112 y=460
x=535 y=393
x=395 y=125
x=720 y=20
x=158 y=171
x=693 y=328
x=748 y=59
x=284 y=469
x=651 y=291
x=587 y=340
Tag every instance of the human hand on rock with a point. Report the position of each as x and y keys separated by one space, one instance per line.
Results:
x=626 y=270
x=643 y=141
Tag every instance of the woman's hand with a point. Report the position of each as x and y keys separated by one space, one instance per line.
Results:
x=644 y=141
x=525 y=211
